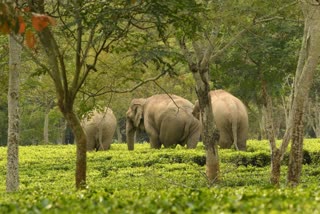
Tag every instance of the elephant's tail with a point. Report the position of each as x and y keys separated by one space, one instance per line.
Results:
x=235 y=134
x=235 y=131
x=100 y=133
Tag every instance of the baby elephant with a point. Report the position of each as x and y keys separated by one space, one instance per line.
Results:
x=99 y=127
x=231 y=119
x=167 y=119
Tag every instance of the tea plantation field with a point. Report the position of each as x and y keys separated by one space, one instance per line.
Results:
x=158 y=181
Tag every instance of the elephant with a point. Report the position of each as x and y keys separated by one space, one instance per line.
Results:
x=99 y=127
x=231 y=119
x=167 y=120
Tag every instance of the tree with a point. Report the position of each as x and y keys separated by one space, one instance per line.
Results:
x=12 y=180
x=307 y=64
x=312 y=113
x=67 y=87
x=200 y=71
x=306 y=67
x=86 y=30
x=263 y=61
x=199 y=52
x=13 y=24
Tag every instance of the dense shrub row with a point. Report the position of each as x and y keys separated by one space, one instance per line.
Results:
x=157 y=181
x=260 y=155
x=174 y=200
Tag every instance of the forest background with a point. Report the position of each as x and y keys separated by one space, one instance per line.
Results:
x=266 y=53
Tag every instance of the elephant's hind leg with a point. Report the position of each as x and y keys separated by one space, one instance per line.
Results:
x=154 y=139
x=225 y=140
x=91 y=145
x=193 y=138
x=242 y=143
x=155 y=142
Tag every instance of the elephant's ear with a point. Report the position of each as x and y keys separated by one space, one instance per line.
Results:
x=196 y=110
x=138 y=112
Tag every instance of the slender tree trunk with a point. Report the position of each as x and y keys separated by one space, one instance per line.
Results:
x=81 y=143
x=307 y=64
x=63 y=130
x=46 y=126
x=66 y=97
x=317 y=120
x=287 y=104
x=317 y=117
x=210 y=134
x=200 y=71
x=313 y=115
x=119 y=135
x=12 y=180
x=67 y=84
x=262 y=129
x=276 y=156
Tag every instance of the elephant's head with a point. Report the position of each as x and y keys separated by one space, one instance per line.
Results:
x=134 y=120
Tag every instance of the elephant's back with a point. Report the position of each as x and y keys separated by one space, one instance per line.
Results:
x=101 y=117
x=160 y=102
x=222 y=102
x=221 y=97
x=160 y=106
x=225 y=105
x=108 y=117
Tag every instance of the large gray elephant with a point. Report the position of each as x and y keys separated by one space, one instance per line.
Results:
x=99 y=127
x=167 y=119
x=231 y=119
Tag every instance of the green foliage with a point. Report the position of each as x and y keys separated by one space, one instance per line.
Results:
x=266 y=53
x=140 y=44
x=3 y=90
x=156 y=181
x=4 y=123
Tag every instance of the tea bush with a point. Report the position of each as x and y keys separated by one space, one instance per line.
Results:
x=158 y=181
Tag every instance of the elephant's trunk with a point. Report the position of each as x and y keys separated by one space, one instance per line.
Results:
x=130 y=134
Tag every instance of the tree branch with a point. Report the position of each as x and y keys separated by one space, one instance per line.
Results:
x=188 y=55
x=34 y=57
x=268 y=17
x=79 y=29
x=229 y=44
x=99 y=93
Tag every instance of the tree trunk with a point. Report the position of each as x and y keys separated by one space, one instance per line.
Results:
x=276 y=155
x=316 y=128
x=199 y=66
x=12 y=179
x=119 y=135
x=276 y=158
x=63 y=130
x=296 y=152
x=317 y=117
x=67 y=84
x=307 y=64
x=210 y=135
x=313 y=115
x=46 y=126
x=212 y=163
x=81 y=142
